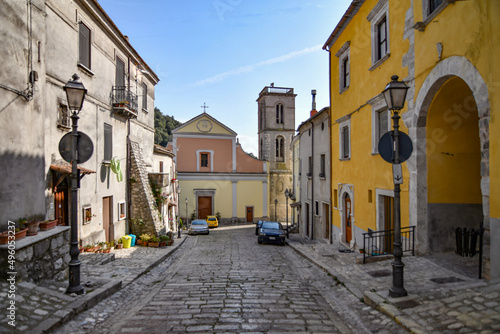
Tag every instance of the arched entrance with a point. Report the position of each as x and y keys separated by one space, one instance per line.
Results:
x=453 y=164
x=449 y=170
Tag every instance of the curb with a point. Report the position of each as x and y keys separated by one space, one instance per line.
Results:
x=87 y=301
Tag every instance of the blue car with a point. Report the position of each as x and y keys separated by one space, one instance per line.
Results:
x=271 y=232
x=257 y=226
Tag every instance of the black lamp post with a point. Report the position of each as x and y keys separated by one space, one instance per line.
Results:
x=275 y=205
x=75 y=94
x=287 y=194
x=187 y=211
x=178 y=190
x=395 y=96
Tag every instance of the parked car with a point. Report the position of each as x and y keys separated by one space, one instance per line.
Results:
x=212 y=221
x=257 y=226
x=199 y=226
x=271 y=232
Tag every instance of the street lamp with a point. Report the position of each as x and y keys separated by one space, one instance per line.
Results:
x=395 y=96
x=287 y=194
x=187 y=211
x=75 y=94
x=275 y=204
x=178 y=190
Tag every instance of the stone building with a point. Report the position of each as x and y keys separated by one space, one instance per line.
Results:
x=276 y=117
x=45 y=43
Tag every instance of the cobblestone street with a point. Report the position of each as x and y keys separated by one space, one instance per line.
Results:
x=226 y=282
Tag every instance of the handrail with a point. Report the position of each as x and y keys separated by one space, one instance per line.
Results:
x=377 y=243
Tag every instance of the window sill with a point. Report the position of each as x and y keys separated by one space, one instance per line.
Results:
x=380 y=61
x=342 y=90
x=421 y=25
x=145 y=110
x=345 y=159
x=86 y=70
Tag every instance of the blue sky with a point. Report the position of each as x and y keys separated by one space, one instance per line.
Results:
x=224 y=52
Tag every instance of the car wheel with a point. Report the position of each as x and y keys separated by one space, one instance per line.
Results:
x=259 y=241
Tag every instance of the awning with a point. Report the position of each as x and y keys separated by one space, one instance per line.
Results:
x=65 y=170
x=295 y=205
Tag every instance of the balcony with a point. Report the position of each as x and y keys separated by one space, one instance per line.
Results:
x=124 y=101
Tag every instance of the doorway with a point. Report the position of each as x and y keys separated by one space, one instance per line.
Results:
x=326 y=219
x=61 y=206
x=204 y=207
x=107 y=218
x=347 y=216
x=249 y=214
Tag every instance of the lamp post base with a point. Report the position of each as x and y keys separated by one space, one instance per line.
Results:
x=74 y=279
x=397 y=289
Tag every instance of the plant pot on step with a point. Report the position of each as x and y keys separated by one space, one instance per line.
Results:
x=47 y=225
x=153 y=244
x=32 y=228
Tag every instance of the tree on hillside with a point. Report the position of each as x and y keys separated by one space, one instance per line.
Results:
x=164 y=125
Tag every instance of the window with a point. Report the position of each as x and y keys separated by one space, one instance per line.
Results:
x=316 y=204
x=144 y=96
x=204 y=160
x=120 y=73
x=309 y=173
x=379 y=19
x=381 y=39
x=161 y=166
x=344 y=66
x=84 y=45
x=280 y=148
x=121 y=210
x=335 y=198
x=433 y=5
x=279 y=113
x=87 y=215
x=108 y=142
x=381 y=120
x=382 y=123
x=322 y=166
x=345 y=140
x=63 y=117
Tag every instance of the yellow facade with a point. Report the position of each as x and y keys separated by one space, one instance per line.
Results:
x=446 y=54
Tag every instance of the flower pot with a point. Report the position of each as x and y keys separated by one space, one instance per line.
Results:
x=163 y=244
x=153 y=244
x=119 y=246
x=139 y=242
x=170 y=242
x=4 y=237
x=32 y=228
x=47 y=225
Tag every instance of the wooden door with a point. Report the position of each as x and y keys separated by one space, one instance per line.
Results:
x=107 y=218
x=307 y=219
x=204 y=207
x=388 y=223
x=249 y=214
x=326 y=219
x=61 y=206
x=347 y=212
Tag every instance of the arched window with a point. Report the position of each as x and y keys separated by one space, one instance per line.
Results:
x=279 y=113
x=280 y=148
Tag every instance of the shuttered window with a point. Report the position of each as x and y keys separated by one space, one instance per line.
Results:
x=84 y=45
x=108 y=142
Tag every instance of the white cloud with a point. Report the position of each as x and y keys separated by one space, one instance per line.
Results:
x=249 y=144
x=251 y=68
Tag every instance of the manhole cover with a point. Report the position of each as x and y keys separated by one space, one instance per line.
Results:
x=444 y=280
x=379 y=273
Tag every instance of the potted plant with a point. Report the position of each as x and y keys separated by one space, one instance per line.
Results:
x=154 y=242
x=32 y=227
x=145 y=239
x=164 y=240
x=119 y=244
x=47 y=225
x=170 y=238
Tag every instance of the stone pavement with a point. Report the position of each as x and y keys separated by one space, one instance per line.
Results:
x=444 y=294
x=44 y=306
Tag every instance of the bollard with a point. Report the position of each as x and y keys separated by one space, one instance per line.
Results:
x=458 y=241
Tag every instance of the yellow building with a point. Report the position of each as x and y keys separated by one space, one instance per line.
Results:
x=445 y=52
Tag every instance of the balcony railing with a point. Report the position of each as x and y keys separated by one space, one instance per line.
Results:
x=377 y=243
x=124 y=101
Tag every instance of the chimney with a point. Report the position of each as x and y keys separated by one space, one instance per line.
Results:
x=313 y=110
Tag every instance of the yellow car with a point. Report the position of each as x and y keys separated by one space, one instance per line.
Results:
x=212 y=221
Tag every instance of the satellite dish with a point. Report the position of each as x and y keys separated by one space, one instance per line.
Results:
x=85 y=147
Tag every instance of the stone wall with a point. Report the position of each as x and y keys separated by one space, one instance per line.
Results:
x=145 y=217
x=39 y=257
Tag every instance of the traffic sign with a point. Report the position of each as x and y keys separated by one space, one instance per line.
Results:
x=386 y=147
x=85 y=147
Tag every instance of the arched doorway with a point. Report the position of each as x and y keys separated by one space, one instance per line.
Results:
x=453 y=152
x=347 y=217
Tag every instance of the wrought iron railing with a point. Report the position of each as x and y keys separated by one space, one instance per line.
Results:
x=377 y=243
x=121 y=97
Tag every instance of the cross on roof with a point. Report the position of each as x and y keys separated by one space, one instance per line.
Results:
x=204 y=106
